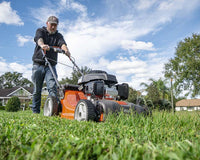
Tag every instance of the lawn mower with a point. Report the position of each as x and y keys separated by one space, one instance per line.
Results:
x=96 y=95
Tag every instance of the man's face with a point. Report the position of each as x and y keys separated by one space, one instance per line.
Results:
x=51 y=27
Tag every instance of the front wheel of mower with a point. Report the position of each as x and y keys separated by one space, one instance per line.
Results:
x=85 y=111
x=51 y=106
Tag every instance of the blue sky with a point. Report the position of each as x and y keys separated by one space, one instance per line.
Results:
x=132 y=39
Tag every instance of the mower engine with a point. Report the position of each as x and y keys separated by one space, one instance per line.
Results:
x=99 y=89
x=99 y=84
x=111 y=92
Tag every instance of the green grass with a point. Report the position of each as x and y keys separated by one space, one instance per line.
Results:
x=24 y=135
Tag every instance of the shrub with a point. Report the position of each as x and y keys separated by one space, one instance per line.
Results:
x=2 y=108
x=13 y=104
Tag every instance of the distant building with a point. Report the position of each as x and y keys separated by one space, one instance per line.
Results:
x=23 y=93
x=188 y=105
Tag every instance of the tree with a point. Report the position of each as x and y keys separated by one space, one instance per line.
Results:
x=152 y=91
x=157 y=88
x=184 y=68
x=157 y=91
x=75 y=76
x=164 y=91
x=150 y=104
x=133 y=94
x=9 y=80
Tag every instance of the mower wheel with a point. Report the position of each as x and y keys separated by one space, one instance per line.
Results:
x=51 y=106
x=85 y=111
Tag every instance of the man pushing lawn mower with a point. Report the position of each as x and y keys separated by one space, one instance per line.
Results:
x=96 y=95
x=44 y=38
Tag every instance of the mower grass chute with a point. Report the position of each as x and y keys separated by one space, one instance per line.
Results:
x=96 y=95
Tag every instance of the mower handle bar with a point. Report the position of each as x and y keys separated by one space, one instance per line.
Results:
x=59 y=50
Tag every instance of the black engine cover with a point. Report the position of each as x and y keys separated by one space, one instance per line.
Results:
x=99 y=75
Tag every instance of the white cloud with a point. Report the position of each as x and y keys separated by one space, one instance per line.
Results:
x=127 y=67
x=56 y=9
x=23 y=39
x=79 y=8
x=64 y=70
x=137 y=45
x=21 y=68
x=8 y=15
x=151 y=55
x=139 y=70
x=3 y=66
x=63 y=2
x=45 y=12
x=89 y=39
x=15 y=67
x=145 y=4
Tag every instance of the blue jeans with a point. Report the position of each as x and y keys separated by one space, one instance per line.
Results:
x=39 y=74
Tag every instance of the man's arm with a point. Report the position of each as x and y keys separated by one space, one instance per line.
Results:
x=64 y=47
x=40 y=42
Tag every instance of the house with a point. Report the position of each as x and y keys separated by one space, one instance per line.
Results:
x=24 y=94
x=188 y=105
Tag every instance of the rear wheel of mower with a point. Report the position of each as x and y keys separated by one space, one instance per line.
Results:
x=51 y=106
x=85 y=111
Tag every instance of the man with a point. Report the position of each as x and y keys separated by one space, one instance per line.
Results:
x=44 y=38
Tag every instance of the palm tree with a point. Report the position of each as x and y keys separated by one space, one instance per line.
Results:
x=163 y=89
x=152 y=91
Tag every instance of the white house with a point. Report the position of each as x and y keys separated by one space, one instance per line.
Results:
x=188 y=105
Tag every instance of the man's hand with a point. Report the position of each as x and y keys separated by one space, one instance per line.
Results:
x=42 y=45
x=67 y=53
x=45 y=47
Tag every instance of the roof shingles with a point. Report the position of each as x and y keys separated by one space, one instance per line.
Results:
x=5 y=92
x=188 y=103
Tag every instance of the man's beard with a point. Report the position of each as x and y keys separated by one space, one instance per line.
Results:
x=50 y=32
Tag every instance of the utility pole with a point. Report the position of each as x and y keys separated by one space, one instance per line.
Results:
x=172 y=101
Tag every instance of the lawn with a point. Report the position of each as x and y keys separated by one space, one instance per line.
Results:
x=24 y=135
